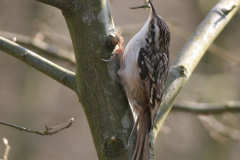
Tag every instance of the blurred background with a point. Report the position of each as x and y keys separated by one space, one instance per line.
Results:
x=29 y=98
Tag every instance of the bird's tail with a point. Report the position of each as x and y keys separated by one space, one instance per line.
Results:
x=144 y=127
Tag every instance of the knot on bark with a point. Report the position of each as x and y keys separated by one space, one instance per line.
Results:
x=113 y=39
x=113 y=145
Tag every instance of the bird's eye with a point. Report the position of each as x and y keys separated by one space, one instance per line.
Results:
x=152 y=26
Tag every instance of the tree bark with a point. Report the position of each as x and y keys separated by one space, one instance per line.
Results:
x=109 y=116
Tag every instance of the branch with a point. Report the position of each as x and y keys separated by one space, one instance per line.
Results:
x=56 y=3
x=207 y=108
x=53 y=35
x=189 y=57
x=43 y=133
x=54 y=71
x=5 y=141
x=38 y=43
x=215 y=127
x=68 y=7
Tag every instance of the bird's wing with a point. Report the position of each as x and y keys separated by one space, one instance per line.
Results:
x=153 y=72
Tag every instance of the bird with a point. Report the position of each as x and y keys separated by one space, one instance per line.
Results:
x=144 y=70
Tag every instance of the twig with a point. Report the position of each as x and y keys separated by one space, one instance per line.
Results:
x=187 y=60
x=206 y=108
x=142 y=6
x=43 y=133
x=231 y=119
x=54 y=71
x=215 y=135
x=52 y=50
x=52 y=35
x=218 y=127
x=6 y=153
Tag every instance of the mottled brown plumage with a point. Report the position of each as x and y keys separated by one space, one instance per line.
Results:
x=143 y=74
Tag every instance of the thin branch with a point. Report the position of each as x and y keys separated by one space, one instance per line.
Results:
x=231 y=119
x=215 y=126
x=207 y=108
x=145 y=6
x=52 y=50
x=215 y=135
x=52 y=35
x=54 y=71
x=6 y=153
x=38 y=43
x=43 y=133
x=188 y=59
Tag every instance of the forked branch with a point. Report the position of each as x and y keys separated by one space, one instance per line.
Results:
x=43 y=133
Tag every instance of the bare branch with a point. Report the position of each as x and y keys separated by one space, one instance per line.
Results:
x=53 y=35
x=5 y=141
x=43 y=133
x=189 y=57
x=146 y=5
x=52 y=50
x=68 y=7
x=56 y=3
x=38 y=43
x=54 y=71
x=214 y=125
x=206 y=108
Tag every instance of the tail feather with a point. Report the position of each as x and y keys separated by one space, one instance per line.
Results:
x=142 y=146
x=141 y=139
x=146 y=144
x=134 y=130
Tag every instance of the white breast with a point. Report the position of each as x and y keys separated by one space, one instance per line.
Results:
x=129 y=73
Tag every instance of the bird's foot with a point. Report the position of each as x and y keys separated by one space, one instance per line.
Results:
x=111 y=58
x=119 y=50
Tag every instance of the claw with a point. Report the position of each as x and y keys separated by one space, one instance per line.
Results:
x=111 y=58
x=119 y=50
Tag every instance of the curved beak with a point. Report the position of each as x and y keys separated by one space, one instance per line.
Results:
x=153 y=12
